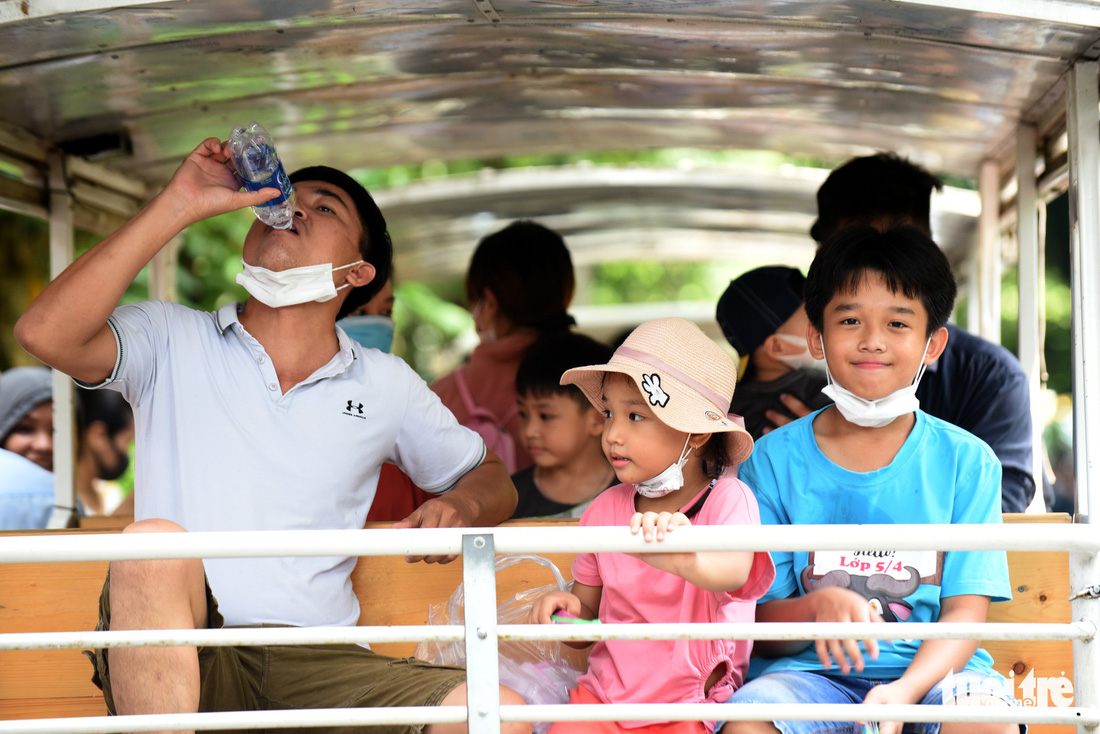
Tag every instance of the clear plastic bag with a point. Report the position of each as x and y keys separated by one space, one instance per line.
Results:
x=542 y=671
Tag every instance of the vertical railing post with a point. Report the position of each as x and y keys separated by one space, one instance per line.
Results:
x=64 y=425
x=482 y=654
x=1083 y=129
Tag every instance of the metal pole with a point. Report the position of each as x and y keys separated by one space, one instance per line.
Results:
x=162 y=272
x=1083 y=128
x=989 y=253
x=480 y=593
x=64 y=428
x=1029 y=273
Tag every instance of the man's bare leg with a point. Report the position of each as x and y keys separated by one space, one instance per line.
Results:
x=156 y=595
x=457 y=697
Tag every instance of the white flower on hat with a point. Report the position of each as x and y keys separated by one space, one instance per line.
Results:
x=652 y=385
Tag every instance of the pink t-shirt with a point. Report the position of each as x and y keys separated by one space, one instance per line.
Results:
x=668 y=671
x=491 y=375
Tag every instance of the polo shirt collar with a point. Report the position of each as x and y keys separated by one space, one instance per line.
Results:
x=229 y=315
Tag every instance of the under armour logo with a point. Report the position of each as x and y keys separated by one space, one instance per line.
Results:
x=652 y=385
x=351 y=407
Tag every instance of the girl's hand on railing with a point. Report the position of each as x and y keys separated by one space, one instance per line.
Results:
x=657 y=524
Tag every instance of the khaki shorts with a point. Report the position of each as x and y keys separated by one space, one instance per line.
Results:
x=299 y=676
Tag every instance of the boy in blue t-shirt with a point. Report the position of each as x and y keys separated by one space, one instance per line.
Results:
x=877 y=304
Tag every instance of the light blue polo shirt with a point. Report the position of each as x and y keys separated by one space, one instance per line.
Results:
x=221 y=447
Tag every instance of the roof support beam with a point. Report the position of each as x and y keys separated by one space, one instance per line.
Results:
x=989 y=252
x=1030 y=269
x=1083 y=128
x=1070 y=12
x=64 y=424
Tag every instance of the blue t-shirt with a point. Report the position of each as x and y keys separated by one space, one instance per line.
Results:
x=942 y=474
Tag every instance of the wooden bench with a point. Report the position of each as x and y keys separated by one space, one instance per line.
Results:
x=46 y=597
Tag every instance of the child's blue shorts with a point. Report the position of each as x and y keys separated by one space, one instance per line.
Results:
x=798 y=686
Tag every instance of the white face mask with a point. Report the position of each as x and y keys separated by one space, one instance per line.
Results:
x=278 y=288
x=803 y=360
x=670 y=480
x=874 y=413
x=489 y=335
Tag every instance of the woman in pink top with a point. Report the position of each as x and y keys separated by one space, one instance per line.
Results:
x=665 y=395
x=519 y=285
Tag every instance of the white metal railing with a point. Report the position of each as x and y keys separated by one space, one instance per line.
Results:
x=481 y=634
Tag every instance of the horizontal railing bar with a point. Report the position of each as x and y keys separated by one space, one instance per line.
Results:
x=448 y=541
x=604 y=712
x=799 y=712
x=518 y=632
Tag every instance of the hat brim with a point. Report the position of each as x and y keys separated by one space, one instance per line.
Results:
x=689 y=411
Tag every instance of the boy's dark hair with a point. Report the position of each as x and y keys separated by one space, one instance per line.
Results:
x=871 y=188
x=375 y=246
x=907 y=259
x=529 y=270
x=540 y=372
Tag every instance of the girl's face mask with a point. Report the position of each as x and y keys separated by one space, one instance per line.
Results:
x=670 y=480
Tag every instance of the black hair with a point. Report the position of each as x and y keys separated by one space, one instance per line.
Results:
x=906 y=258
x=528 y=268
x=103 y=406
x=539 y=374
x=375 y=246
x=713 y=454
x=881 y=186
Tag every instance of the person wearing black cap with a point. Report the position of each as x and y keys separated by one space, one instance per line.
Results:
x=762 y=316
x=263 y=415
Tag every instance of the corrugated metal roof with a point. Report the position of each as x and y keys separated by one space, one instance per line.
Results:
x=369 y=84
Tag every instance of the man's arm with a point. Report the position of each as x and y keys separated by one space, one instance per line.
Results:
x=66 y=326
x=484 y=496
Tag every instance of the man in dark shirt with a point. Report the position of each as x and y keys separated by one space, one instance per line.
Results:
x=976 y=385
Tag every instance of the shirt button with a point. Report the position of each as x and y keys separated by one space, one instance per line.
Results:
x=273 y=386
x=259 y=360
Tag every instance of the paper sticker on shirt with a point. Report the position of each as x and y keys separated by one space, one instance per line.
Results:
x=884 y=578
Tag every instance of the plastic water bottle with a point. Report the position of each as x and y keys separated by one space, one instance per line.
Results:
x=258 y=167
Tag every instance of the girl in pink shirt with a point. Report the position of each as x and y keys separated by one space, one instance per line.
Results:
x=665 y=394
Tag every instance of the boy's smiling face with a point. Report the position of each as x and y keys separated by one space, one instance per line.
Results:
x=874 y=339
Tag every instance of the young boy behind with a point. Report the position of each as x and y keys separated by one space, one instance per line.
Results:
x=761 y=315
x=560 y=429
x=877 y=303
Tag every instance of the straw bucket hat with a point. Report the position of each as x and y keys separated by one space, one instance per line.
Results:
x=687 y=379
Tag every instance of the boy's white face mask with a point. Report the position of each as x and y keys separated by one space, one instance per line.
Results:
x=278 y=288
x=802 y=360
x=670 y=480
x=874 y=413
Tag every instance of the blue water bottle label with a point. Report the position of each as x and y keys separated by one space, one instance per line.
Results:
x=277 y=180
